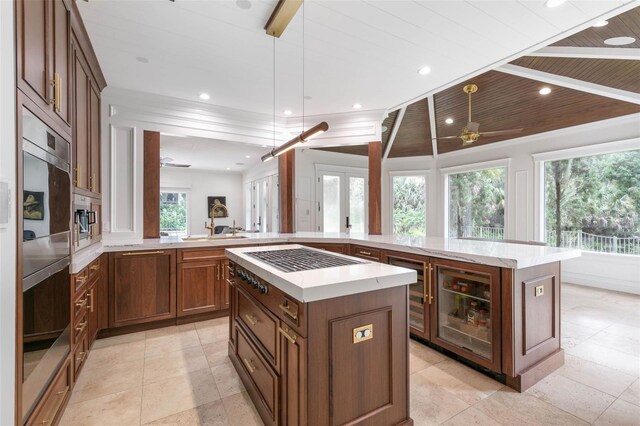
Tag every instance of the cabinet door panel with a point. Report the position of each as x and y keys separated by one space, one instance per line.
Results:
x=61 y=44
x=32 y=34
x=197 y=287
x=81 y=125
x=94 y=138
x=142 y=287
x=294 y=379
x=92 y=310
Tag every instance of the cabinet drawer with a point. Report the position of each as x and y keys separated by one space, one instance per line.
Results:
x=80 y=327
x=51 y=405
x=80 y=306
x=261 y=324
x=258 y=370
x=94 y=268
x=201 y=254
x=80 y=354
x=365 y=253
x=80 y=279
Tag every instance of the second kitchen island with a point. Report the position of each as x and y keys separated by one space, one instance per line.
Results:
x=318 y=337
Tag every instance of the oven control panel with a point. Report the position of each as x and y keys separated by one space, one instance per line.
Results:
x=252 y=280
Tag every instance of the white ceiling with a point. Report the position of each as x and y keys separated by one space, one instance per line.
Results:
x=365 y=52
x=210 y=154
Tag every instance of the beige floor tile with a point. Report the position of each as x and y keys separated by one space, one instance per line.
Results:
x=620 y=413
x=626 y=344
x=168 y=331
x=240 y=410
x=632 y=394
x=573 y=397
x=227 y=379
x=425 y=353
x=213 y=334
x=99 y=380
x=608 y=357
x=170 y=343
x=210 y=414
x=466 y=384
x=212 y=322
x=216 y=353
x=117 y=340
x=122 y=409
x=512 y=408
x=597 y=376
x=158 y=367
x=573 y=335
x=167 y=397
x=624 y=330
x=470 y=416
x=592 y=317
x=112 y=356
x=431 y=404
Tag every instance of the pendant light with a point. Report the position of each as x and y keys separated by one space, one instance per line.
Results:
x=306 y=134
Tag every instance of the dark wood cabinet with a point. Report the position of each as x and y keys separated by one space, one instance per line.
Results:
x=142 y=287
x=293 y=350
x=94 y=139
x=198 y=284
x=43 y=39
x=81 y=121
x=92 y=310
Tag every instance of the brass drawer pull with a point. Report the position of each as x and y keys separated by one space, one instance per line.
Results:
x=292 y=314
x=90 y=296
x=249 y=365
x=94 y=267
x=231 y=283
x=366 y=253
x=229 y=268
x=61 y=394
x=80 y=357
x=251 y=319
x=289 y=337
x=81 y=280
x=80 y=328
x=140 y=253
x=82 y=304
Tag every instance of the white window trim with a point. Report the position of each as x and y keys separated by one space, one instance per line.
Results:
x=425 y=174
x=541 y=158
x=503 y=163
x=185 y=190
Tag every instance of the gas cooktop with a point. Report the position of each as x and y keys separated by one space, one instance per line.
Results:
x=300 y=259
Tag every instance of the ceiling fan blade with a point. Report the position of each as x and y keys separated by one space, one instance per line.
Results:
x=502 y=132
x=473 y=127
x=175 y=165
x=447 y=137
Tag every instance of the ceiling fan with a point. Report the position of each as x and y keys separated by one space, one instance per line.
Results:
x=470 y=133
x=168 y=162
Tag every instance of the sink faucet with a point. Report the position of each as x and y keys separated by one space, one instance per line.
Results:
x=212 y=212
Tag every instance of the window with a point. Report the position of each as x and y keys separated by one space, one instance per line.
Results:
x=476 y=204
x=593 y=202
x=409 y=215
x=173 y=213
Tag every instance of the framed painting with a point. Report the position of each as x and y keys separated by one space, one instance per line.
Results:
x=220 y=204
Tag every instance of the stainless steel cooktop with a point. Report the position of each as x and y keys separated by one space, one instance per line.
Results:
x=300 y=259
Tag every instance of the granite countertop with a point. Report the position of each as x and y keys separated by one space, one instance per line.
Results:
x=325 y=283
x=506 y=255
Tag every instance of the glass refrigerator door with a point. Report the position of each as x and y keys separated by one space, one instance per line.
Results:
x=464 y=310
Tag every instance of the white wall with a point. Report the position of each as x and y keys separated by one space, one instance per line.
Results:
x=7 y=230
x=200 y=184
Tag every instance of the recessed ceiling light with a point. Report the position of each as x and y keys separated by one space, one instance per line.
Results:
x=424 y=70
x=228 y=168
x=600 y=24
x=243 y=4
x=449 y=120
x=205 y=96
x=554 y=3
x=357 y=106
x=545 y=91
x=247 y=156
x=142 y=59
x=287 y=112
x=619 y=41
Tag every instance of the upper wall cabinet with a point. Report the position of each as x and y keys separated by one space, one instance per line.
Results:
x=43 y=42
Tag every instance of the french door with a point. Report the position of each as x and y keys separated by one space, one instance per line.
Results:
x=260 y=205
x=342 y=201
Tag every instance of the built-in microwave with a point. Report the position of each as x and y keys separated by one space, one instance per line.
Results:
x=86 y=221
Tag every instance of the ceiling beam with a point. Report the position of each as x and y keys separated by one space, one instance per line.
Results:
x=394 y=131
x=623 y=53
x=571 y=83
x=283 y=13
x=432 y=122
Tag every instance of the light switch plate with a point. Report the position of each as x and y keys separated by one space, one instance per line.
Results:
x=539 y=290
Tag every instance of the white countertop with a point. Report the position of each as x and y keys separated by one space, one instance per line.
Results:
x=506 y=255
x=325 y=283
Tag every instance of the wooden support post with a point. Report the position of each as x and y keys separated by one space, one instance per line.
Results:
x=375 y=189
x=286 y=178
x=151 y=195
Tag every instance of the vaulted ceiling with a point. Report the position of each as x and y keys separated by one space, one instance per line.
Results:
x=596 y=87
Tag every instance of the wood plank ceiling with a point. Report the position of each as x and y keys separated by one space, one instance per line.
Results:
x=505 y=101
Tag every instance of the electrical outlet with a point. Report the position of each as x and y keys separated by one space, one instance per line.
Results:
x=360 y=334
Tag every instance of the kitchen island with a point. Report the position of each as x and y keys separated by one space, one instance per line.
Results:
x=494 y=304
x=318 y=337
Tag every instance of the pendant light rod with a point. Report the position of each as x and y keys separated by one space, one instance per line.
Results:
x=299 y=139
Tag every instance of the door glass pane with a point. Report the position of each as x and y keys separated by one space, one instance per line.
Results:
x=264 y=205
x=356 y=204
x=331 y=203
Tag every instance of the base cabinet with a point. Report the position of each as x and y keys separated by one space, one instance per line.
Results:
x=198 y=284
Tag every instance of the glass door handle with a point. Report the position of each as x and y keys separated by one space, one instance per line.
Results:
x=348 y=225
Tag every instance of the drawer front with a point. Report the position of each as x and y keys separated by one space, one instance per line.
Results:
x=50 y=409
x=80 y=327
x=80 y=354
x=262 y=376
x=80 y=306
x=261 y=324
x=80 y=279
x=94 y=268
x=365 y=253
x=201 y=254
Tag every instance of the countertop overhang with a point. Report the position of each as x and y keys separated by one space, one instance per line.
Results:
x=325 y=283
x=492 y=253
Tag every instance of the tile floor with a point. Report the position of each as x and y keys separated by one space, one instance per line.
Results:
x=181 y=376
